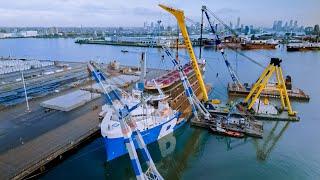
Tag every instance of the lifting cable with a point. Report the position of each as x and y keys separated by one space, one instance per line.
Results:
x=233 y=49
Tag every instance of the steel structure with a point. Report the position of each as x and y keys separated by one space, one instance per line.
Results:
x=233 y=75
x=273 y=67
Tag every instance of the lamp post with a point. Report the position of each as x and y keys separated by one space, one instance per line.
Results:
x=25 y=91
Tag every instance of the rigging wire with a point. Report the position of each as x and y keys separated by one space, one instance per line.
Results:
x=234 y=49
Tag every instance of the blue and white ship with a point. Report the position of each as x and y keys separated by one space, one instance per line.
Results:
x=155 y=119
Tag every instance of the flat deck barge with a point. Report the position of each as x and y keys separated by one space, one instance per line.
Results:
x=283 y=116
x=249 y=128
x=271 y=92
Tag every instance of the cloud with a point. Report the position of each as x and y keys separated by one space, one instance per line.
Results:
x=135 y=12
x=145 y=11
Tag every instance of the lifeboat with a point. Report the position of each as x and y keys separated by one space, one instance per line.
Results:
x=226 y=132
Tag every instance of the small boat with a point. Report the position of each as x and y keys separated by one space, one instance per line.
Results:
x=224 y=132
x=124 y=51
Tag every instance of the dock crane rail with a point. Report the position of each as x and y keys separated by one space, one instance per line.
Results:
x=128 y=128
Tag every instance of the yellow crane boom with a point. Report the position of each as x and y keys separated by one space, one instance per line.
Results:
x=179 y=15
x=273 y=67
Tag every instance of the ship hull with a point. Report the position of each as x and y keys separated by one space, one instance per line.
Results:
x=258 y=46
x=291 y=49
x=115 y=147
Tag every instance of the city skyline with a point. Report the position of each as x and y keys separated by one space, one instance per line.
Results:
x=96 y=13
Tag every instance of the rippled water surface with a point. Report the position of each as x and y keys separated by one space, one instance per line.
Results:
x=287 y=151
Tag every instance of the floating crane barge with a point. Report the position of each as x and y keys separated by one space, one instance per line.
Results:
x=179 y=102
x=269 y=92
x=202 y=118
x=282 y=116
x=236 y=124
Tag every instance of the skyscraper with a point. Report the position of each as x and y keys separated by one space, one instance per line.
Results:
x=274 y=27
x=286 y=26
x=246 y=30
x=238 y=23
x=295 y=26
x=291 y=24
x=279 y=26
x=231 y=25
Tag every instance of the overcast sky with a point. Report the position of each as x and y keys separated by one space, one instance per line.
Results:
x=134 y=12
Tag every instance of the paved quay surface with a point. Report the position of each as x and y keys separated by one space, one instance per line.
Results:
x=29 y=156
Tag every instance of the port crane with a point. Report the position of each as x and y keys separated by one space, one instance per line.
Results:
x=274 y=66
x=254 y=94
x=194 y=102
x=179 y=15
x=232 y=73
x=128 y=128
x=203 y=107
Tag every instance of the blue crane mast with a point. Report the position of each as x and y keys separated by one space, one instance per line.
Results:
x=128 y=128
x=232 y=73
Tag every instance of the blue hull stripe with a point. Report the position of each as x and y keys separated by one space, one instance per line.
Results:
x=115 y=147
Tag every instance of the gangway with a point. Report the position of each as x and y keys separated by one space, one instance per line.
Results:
x=128 y=128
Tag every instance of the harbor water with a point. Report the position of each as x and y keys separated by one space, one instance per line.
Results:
x=287 y=150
